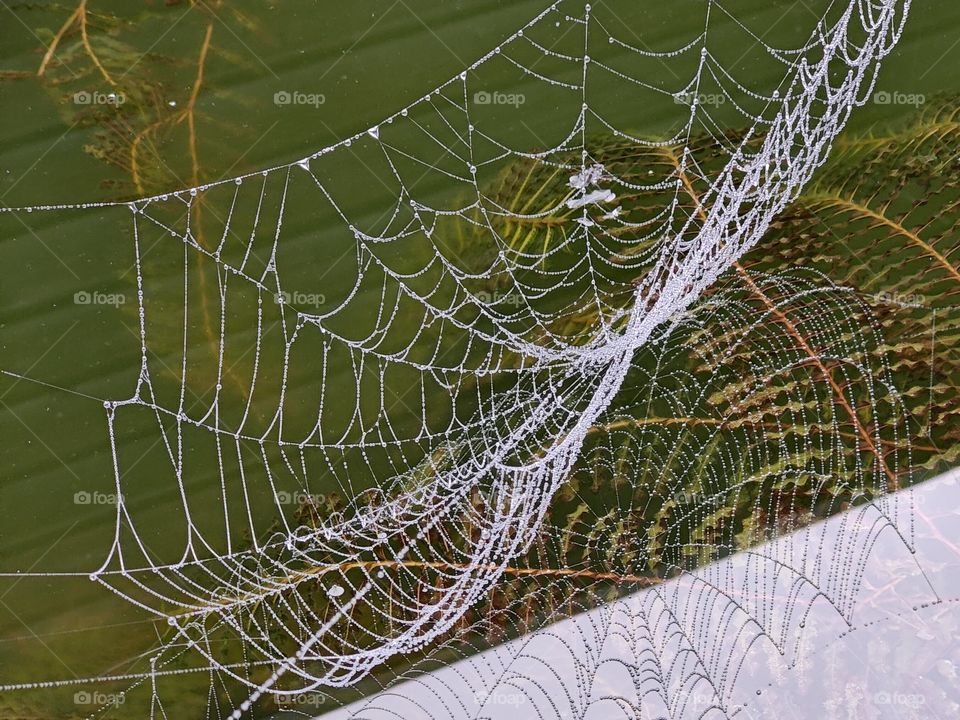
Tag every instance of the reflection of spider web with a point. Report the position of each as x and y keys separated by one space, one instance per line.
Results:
x=510 y=346
x=750 y=636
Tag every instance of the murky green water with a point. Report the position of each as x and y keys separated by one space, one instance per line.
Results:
x=351 y=64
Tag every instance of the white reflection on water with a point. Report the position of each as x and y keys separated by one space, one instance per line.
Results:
x=840 y=620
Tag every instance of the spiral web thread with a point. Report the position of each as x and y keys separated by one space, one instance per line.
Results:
x=690 y=646
x=510 y=354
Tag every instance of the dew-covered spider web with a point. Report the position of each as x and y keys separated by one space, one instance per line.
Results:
x=512 y=318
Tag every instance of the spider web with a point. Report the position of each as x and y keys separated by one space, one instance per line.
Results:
x=453 y=372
